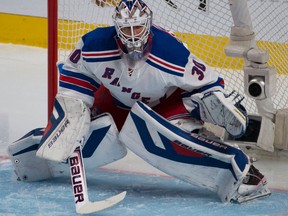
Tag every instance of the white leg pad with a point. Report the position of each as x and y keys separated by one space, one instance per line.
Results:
x=103 y=146
x=189 y=157
x=22 y=153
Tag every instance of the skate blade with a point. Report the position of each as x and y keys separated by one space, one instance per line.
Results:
x=258 y=194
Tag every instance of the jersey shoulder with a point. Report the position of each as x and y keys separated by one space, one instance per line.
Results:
x=100 y=45
x=100 y=39
x=168 y=48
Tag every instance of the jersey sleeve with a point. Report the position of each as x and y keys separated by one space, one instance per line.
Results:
x=191 y=74
x=200 y=77
x=179 y=67
x=75 y=78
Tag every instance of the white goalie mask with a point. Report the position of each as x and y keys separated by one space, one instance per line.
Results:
x=133 y=19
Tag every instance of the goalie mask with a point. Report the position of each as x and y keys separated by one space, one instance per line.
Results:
x=132 y=19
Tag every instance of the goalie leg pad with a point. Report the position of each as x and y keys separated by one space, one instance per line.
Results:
x=189 y=157
x=68 y=127
x=103 y=145
x=22 y=153
x=101 y=148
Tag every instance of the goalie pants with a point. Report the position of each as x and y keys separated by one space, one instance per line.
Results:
x=171 y=108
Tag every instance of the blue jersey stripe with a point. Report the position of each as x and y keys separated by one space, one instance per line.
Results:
x=79 y=76
x=218 y=83
x=120 y=104
x=164 y=69
x=76 y=88
x=105 y=59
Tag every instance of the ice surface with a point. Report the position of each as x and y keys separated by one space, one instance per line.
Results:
x=146 y=195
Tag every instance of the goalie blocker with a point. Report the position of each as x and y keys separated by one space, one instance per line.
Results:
x=68 y=128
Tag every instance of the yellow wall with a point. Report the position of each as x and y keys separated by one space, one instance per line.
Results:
x=32 y=31
x=26 y=30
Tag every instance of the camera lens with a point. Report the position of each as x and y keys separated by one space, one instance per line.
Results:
x=255 y=89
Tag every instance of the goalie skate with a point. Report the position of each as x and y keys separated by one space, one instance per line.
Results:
x=253 y=186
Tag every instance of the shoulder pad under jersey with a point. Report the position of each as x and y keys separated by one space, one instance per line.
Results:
x=168 y=53
x=100 y=39
x=100 y=45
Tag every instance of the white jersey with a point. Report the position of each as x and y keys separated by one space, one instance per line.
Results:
x=97 y=60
